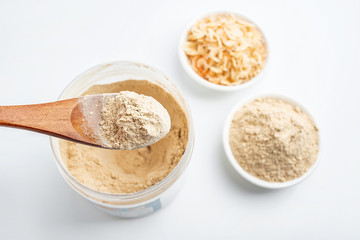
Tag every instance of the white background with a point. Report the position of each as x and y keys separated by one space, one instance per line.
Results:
x=315 y=59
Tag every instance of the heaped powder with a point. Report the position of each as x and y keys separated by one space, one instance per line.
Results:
x=130 y=120
x=273 y=140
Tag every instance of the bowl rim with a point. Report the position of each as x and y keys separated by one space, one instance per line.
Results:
x=188 y=69
x=250 y=178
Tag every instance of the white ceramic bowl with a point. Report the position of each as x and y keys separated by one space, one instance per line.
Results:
x=185 y=62
x=241 y=171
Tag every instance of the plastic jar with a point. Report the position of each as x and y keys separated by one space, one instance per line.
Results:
x=148 y=200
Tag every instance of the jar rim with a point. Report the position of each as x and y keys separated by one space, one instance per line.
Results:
x=153 y=190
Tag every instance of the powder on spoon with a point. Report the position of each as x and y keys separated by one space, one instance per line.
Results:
x=131 y=120
x=273 y=140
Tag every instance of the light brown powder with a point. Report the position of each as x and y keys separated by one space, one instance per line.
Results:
x=273 y=140
x=130 y=120
x=119 y=171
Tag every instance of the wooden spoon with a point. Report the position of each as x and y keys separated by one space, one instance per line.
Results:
x=75 y=119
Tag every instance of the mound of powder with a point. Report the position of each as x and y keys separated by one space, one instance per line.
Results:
x=273 y=140
x=131 y=120
x=128 y=171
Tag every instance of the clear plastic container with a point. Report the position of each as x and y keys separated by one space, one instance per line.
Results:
x=147 y=201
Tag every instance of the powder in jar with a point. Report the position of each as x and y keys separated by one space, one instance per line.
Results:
x=273 y=140
x=119 y=171
x=130 y=120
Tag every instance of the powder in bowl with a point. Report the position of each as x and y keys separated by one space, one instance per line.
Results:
x=273 y=139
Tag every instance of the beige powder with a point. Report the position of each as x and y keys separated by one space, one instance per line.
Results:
x=131 y=120
x=273 y=140
x=119 y=171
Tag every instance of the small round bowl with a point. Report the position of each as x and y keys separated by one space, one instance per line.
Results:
x=185 y=62
x=252 y=179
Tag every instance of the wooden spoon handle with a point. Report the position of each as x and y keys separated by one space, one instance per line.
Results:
x=48 y=118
